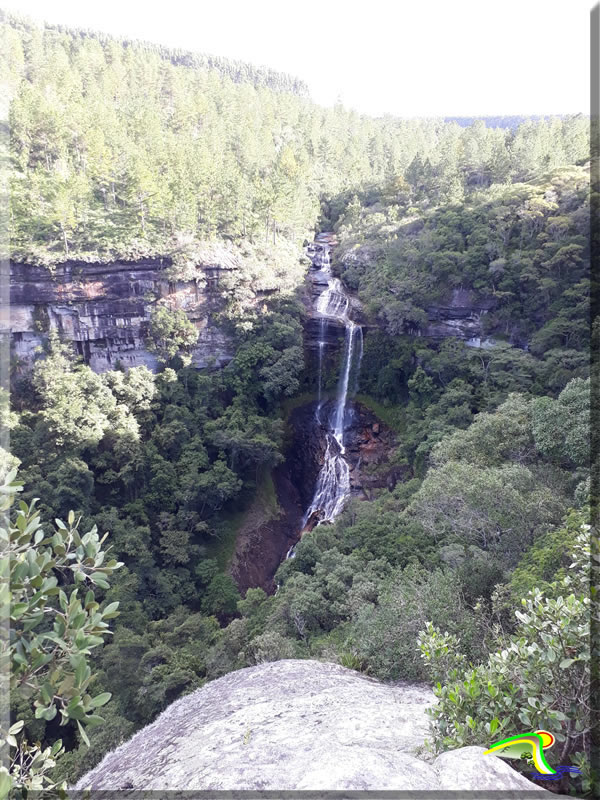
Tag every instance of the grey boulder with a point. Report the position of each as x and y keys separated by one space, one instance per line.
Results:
x=296 y=724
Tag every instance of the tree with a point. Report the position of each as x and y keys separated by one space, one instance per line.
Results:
x=171 y=334
x=53 y=629
x=561 y=427
x=492 y=439
x=135 y=388
x=248 y=438
x=77 y=405
x=281 y=378
x=495 y=508
x=384 y=634
x=222 y=597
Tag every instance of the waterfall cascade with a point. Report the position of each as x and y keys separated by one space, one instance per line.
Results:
x=333 y=481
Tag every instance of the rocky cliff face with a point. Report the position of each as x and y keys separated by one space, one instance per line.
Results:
x=297 y=725
x=267 y=534
x=460 y=315
x=104 y=310
x=370 y=446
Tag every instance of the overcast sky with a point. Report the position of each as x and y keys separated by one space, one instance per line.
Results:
x=433 y=57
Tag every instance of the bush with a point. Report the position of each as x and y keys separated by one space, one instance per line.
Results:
x=540 y=679
x=53 y=630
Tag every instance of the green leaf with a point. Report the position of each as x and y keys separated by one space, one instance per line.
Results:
x=49 y=713
x=80 y=672
x=18 y=609
x=566 y=662
x=110 y=609
x=41 y=711
x=5 y=783
x=101 y=700
x=56 y=747
x=92 y=720
x=83 y=733
x=524 y=717
x=17 y=727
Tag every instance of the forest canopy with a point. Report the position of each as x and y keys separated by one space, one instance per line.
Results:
x=122 y=149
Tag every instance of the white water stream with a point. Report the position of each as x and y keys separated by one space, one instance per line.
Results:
x=333 y=481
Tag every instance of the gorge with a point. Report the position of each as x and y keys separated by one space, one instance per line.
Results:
x=296 y=419
x=323 y=469
x=104 y=310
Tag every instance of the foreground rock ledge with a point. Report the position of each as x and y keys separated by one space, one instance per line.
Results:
x=296 y=724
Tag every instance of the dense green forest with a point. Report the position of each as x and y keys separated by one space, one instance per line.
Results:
x=125 y=150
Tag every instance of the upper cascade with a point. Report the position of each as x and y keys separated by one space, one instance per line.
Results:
x=334 y=302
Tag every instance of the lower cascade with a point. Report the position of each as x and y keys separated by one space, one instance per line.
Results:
x=333 y=481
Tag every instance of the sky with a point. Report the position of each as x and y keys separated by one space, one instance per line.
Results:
x=427 y=58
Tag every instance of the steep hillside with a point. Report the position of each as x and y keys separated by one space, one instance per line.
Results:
x=120 y=150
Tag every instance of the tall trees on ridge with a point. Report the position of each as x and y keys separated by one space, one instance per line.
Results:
x=119 y=148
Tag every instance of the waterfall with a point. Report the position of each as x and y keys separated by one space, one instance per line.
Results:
x=320 y=375
x=333 y=302
x=333 y=481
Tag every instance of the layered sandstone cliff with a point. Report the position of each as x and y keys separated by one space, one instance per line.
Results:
x=104 y=310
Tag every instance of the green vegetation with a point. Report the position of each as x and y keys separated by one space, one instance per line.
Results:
x=122 y=150
x=521 y=250
x=163 y=462
x=539 y=680
x=55 y=624
x=171 y=334
x=391 y=415
x=221 y=546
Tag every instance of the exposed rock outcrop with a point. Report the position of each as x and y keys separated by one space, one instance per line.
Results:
x=370 y=446
x=460 y=316
x=307 y=450
x=104 y=310
x=297 y=725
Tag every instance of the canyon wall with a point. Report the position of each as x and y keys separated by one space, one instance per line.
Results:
x=104 y=309
x=459 y=314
